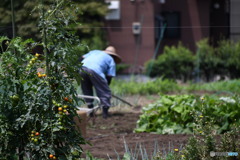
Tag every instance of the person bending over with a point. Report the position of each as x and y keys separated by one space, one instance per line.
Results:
x=99 y=66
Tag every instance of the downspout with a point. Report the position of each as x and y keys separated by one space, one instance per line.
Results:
x=196 y=30
x=157 y=48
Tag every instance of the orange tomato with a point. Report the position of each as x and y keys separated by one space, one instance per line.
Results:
x=39 y=74
x=51 y=156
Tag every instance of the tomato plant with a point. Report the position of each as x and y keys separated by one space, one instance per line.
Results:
x=33 y=86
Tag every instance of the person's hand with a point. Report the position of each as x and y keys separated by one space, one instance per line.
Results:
x=80 y=59
x=109 y=79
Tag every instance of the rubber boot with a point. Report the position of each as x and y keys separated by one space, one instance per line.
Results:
x=105 y=112
x=91 y=114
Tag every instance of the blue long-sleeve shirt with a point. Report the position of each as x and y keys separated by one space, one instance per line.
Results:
x=100 y=62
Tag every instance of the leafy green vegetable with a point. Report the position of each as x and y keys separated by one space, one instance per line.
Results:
x=178 y=113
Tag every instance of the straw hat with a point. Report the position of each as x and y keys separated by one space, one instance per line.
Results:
x=112 y=51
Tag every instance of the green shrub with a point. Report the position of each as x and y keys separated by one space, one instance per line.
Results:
x=229 y=54
x=174 y=63
x=206 y=61
x=178 y=62
x=222 y=60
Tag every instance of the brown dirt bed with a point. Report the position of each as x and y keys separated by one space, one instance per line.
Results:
x=107 y=136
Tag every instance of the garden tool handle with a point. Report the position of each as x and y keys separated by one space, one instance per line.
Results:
x=122 y=100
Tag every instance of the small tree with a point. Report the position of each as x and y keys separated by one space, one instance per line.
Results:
x=89 y=15
x=37 y=97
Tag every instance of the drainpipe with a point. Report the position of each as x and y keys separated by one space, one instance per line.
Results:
x=196 y=30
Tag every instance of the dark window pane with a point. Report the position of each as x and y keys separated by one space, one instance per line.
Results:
x=172 y=19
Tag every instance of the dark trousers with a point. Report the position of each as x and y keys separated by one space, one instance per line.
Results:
x=90 y=80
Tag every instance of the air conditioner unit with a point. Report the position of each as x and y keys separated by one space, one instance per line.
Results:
x=113 y=10
x=162 y=1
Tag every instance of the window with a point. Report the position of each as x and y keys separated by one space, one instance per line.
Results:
x=172 y=19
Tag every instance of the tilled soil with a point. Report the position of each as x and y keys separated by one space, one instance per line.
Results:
x=109 y=137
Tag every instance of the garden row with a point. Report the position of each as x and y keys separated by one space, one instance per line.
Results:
x=212 y=120
x=166 y=86
x=180 y=114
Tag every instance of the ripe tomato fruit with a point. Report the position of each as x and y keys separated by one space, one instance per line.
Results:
x=66 y=99
x=39 y=75
x=50 y=156
x=37 y=134
x=60 y=108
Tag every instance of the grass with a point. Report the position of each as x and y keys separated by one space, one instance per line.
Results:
x=159 y=85
x=231 y=86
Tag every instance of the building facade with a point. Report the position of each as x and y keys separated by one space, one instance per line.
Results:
x=140 y=29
